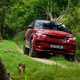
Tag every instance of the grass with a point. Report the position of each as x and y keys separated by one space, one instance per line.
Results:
x=12 y=57
x=36 y=70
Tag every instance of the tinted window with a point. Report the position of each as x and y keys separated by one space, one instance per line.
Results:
x=49 y=25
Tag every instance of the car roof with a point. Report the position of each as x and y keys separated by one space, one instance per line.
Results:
x=47 y=21
x=44 y=21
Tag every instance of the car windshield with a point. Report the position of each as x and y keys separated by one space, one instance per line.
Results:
x=51 y=25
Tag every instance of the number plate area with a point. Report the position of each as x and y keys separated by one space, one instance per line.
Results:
x=56 y=46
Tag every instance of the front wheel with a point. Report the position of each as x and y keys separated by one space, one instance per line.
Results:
x=29 y=52
x=26 y=50
x=32 y=53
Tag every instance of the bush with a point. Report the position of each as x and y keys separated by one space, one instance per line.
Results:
x=78 y=40
x=78 y=44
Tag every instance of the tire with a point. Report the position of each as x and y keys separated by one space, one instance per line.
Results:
x=29 y=52
x=32 y=53
x=29 y=49
x=47 y=55
x=69 y=57
x=26 y=50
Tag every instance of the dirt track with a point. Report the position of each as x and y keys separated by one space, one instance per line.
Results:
x=49 y=62
x=45 y=61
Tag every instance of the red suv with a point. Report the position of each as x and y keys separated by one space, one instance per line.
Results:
x=51 y=38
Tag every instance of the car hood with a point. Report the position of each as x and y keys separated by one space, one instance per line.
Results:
x=54 y=32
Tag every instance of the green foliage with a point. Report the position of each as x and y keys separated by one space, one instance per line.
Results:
x=72 y=19
x=78 y=44
x=16 y=15
x=19 y=14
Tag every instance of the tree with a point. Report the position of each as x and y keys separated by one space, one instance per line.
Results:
x=4 y=5
x=19 y=13
x=16 y=15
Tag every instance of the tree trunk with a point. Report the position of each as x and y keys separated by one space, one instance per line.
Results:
x=2 y=16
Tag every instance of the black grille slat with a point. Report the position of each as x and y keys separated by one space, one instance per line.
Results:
x=64 y=44
x=48 y=48
x=58 y=37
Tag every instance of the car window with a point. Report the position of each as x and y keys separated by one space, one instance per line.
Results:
x=38 y=25
x=51 y=25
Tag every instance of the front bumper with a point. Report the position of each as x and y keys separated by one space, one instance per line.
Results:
x=62 y=47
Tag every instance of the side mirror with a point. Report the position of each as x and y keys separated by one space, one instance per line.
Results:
x=30 y=26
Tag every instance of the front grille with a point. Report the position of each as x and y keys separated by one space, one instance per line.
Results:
x=48 y=48
x=54 y=43
x=58 y=37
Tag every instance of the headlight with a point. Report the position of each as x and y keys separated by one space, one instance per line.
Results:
x=40 y=34
x=72 y=38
